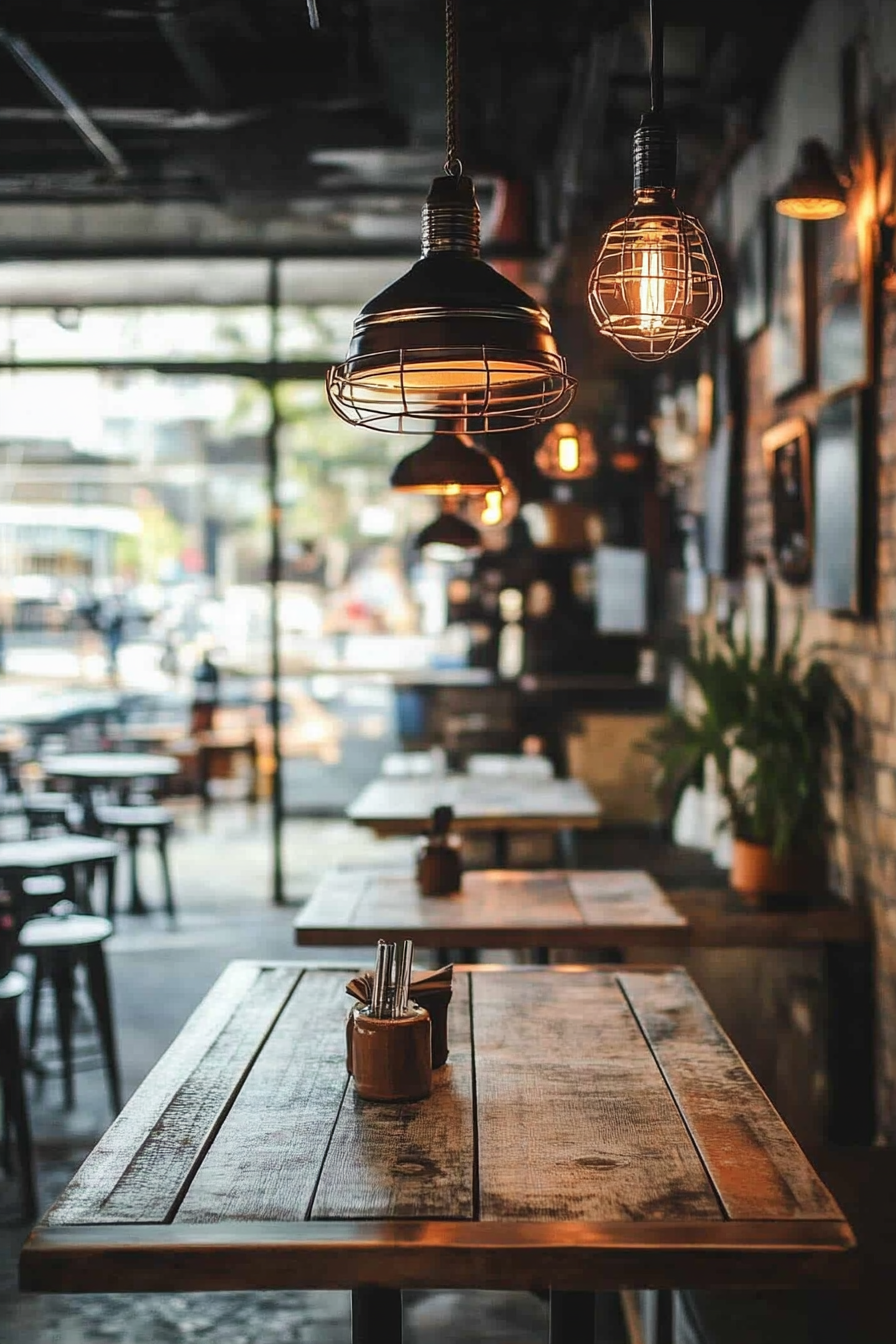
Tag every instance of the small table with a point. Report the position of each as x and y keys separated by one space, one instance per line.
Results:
x=353 y=907
x=592 y=1130
x=404 y=806
x=116 y=770
x=60 y=854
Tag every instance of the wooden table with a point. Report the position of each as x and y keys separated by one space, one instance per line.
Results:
x=353 y=907
x=404 y=806
x=592 y=1130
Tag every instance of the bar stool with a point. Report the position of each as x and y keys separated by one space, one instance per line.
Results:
x=58 y=942
x=134 y=821
x=46 y=813
x=15 y=1105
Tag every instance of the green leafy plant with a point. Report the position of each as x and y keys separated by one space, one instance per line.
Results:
x=767 y=723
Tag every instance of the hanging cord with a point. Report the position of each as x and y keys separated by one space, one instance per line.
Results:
x=656 y=58
x=453 y=165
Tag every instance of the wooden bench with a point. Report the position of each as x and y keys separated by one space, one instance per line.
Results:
x=863 y=1181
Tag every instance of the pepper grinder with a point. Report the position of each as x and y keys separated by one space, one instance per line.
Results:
x=391 y=1038
x=438 y=860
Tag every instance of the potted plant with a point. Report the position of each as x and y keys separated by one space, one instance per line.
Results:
x=767 y=723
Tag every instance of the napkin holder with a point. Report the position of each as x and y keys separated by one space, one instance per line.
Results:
x=429 y=989
x=390 y=1058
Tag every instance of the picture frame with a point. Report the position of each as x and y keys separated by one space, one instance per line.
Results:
x=845 y=303
x=844 y=531
x=751 y=305
x=787 y=451
x=789 y=324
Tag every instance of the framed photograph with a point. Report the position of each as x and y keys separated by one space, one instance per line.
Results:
x=845 y=297
x=844 y=516
x=751 y=306
x=791 y=355
x=787 y=452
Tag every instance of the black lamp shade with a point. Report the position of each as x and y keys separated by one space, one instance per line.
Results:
x=448 y=465
x=813 y=191
x=449 y=530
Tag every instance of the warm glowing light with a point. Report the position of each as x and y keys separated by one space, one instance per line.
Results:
x=452 y=489
x=568 y=453
x=810 y=207
x=652 y=288
x=493 y=512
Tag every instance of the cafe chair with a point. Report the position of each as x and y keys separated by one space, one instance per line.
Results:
x=134 y=822
x=15 y=1104
x=47 y=813
x=58 y=942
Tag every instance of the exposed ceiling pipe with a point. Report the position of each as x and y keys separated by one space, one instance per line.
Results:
x=40 y=73
x=175 y=28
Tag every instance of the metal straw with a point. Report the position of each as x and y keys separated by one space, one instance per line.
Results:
x=378 y=993
x=403 y=978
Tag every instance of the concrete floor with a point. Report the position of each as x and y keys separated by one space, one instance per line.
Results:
x=159 y=973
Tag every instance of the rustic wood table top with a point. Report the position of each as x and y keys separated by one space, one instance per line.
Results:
x=404 y=806
x=353 y=907
x=592 y=1129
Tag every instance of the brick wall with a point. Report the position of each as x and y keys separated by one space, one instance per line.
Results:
x=862 y=653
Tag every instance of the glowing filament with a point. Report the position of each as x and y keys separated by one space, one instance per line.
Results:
x=652 y=288
x=568 y=454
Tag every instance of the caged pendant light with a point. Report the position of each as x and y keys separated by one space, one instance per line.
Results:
x=452 y=341
x=655 y=284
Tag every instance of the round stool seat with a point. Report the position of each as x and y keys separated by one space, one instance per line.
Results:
x=12 y=985
x=125 y=818
x=44 y=884
x=47 y=802
x=46 y=932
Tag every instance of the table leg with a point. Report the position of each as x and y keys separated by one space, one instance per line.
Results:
x=850 y=1035
x=572 y=1318
x=376 y=1316
x=502 y=848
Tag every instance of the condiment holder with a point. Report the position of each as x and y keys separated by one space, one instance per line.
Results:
x=429 y=989
x=439 y=865
x=389 y=1040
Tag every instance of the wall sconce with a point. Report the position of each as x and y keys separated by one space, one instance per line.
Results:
x=813 y=190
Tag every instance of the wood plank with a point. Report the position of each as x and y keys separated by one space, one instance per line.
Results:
x=756 y=1165
x=408 y=1161
x=108 y=1161
x=624 y=897
x=265 y=1160
x=575 y=1119
x=184 y=1257
x=164 y=1129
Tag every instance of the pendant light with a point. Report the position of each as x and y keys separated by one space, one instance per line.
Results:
x=451 y=341
x=448 y=537
x=655 y=284
x=450 y=464
x=567 y=454
x=813 y=190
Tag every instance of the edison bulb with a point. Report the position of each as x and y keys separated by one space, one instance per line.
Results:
x=567 y=453
x=655 y=284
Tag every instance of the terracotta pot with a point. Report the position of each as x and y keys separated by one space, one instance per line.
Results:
x=757 y=872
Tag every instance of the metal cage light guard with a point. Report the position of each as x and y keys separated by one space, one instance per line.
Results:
x=655 y=284
x=451 y=344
